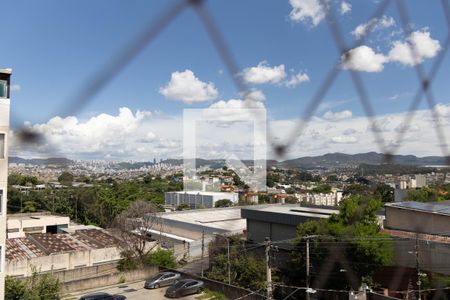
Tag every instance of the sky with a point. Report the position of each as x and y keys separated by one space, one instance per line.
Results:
x=284 y=50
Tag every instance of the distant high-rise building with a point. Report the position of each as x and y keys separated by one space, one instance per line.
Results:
x=5 y=83
x=154 y=161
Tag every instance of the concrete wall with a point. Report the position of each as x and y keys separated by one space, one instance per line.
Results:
x=416 y=221
x=4 y=130
x=257 y=231
x=62 y=261
x=192 y=250
x=433 y=256
x=109 y=279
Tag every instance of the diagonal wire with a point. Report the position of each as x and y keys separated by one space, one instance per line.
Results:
x=226 y=55
x=334 y=27
x=99 y=80
x=327 y=83
x=431 y=76
x=424 y=81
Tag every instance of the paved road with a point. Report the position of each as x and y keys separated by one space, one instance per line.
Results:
x=133 y=291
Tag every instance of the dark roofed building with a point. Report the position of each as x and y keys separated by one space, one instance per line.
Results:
x=430 y=218
x=279 y=222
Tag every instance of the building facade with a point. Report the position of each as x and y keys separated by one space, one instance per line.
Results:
x=18 y=225
x=5 y=75
x=198 y=199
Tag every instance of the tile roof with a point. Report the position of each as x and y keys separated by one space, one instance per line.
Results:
x=51 y=243
x=42 y=244
x=21 y=248
x=99 y=237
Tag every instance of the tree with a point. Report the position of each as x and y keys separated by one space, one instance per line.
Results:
x=247 y=270
x=355 y=189
x=223 y=203
x=36 y=287
x=352 y=236
x=322 y=188
x=17 y=179
x=133 y=225
x=15 y=289
x=66 y=178
x=425 y=194
x=332 y=178
x=385 y=192
x=161 y=258
x=262 y=199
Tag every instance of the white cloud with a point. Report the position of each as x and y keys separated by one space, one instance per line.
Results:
x=297 y=79
x=126 y=135
x=386 y=22
x=328 y=105
x=15 y=87
x=307 y=10
x=264 y=73
x=254 y=95
x=345 y=7
x=363 y=58
x=373 y=25
x=349 y=131
x=236 y=104
x=417 y=47
x=337 y=116
x=344 y=139
x=186 y=87
x=143 y=135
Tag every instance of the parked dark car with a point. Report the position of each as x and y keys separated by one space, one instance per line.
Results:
x=102 y=296
x=184 y=287
x=162 y=279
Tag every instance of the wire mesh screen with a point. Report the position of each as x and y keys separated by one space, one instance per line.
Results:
x=423 y=93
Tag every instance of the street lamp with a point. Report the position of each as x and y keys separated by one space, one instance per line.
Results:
x=228 y=255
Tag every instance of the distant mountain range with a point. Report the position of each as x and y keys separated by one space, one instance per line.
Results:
x=59 y=161
x=353 y=160
x=330 y=160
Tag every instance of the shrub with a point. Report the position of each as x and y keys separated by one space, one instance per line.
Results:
x=161 y=258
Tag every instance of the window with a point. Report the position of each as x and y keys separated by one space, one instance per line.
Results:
x=2 y=145
x=3 y=89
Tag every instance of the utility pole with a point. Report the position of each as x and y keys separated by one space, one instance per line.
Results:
x=307 y=268
x=268 y=270
x=308 y=237
x=203 y=248
x=229 y=263
x=419 y=281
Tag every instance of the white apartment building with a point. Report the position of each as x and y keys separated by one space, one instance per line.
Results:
x=198 y=199
x=5 y=75
x=328 y=199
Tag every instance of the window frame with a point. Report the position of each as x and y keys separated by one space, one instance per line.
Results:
x=2 y=145
x=5 y=89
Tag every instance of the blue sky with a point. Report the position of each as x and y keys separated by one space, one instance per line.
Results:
x=54 y=47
